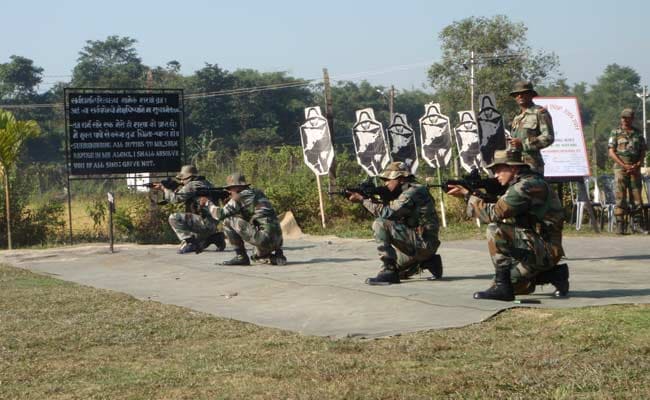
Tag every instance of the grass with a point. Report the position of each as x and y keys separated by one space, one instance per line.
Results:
x=59 y=340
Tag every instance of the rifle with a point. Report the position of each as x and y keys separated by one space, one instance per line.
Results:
x=215 y=194
x=488 y=189
x=368 y=190
x=167 y=183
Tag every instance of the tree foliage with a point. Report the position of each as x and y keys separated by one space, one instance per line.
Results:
x=111 y=63
x=502 y=57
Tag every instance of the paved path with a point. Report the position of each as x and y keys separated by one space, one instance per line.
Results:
x=321 y=290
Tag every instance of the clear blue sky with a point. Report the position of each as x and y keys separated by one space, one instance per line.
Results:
x=354 y=39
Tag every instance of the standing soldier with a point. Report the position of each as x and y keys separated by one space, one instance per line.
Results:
x=532 y=129
x=248 y=217
x=627 y=148
x=406 y=227
x=524 y=230
x=195 y=228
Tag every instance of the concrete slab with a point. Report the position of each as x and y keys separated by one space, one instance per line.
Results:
x=321 y=290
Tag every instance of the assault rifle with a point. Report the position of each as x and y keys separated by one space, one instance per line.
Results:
x=167 y=183
x=368 y=190
x=488 y=189
x=215 y=194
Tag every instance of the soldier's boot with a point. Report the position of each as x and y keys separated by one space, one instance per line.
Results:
x=620 y=226
x=218 y=239
x=241 y=258
x=558 y=277
x=502 y=288
x=637 y=226
x=524 y=286
x=433 y=265
x=386 y=276
x=190 y=245
x=278 y=258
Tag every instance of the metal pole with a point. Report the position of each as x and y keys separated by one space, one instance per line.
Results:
x=329 y=115
x=391 y=102
x=111 y=210
x=645 y=122
x=471 y=78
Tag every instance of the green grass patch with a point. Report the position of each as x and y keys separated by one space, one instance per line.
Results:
x=59 y=340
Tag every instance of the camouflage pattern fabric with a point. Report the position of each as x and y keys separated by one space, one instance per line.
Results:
x=194 y=222
x=250 y=219
x=629 y=146
x=524 y=225
x=406 y=228
x=534 y=127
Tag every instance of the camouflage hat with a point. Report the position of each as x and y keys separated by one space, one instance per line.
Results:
x=523 y=87
x=627 y=113
x=394 y=170
x=507 y=157
x=236 y=179
x=187 y=171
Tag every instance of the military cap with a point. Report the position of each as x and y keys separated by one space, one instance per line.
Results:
x=394 y=170
x=523 y=87
x=187 y=171
x=627 y=113
x=236 y=179
x=510 y=156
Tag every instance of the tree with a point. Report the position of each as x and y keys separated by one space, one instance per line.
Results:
x=19 y=78
x=112 y=63
x=502 y=57
x=13 y=134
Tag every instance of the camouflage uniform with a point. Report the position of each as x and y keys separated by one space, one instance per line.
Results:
x=534 y=127
x=194 y=223
x=407 y=227
x=524 y=226
x=250 y=219
x=630 y=147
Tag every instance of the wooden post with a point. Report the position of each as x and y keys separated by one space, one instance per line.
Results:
x=442 y=200
x=320 y=201
x=329 y=115
x=111 y=210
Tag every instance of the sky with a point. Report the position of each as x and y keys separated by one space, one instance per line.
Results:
x=385 y=43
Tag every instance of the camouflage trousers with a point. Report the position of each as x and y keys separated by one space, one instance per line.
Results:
x=402 y=245
x=628 y=193
x=189 y=225
x=238 y=231
x=524 y=251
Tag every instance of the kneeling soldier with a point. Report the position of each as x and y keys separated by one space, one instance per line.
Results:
x=406 y=227
x=524 y=230
x=249 y=217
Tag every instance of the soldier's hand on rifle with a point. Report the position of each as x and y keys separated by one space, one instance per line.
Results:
x=203 y=201
x=515 y=142
x=355 y=197
x=457 y=190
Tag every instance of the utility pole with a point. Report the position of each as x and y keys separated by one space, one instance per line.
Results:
x=643 y=96
x=391 y=102
x=472 y=83
x=329 y=115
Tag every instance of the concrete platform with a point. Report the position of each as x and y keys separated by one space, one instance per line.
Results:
x=321 y=291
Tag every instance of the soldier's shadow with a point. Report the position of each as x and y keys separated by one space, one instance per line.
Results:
x=330 y=260
x=607 y=293
x=622 y=258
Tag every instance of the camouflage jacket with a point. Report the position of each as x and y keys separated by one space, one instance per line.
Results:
x=414 y=207
x=528 y=203
x=630 y=146
x=253 y=206
x=187 y=194
x=534 y=127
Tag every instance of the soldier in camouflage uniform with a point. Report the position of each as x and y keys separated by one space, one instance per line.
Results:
x=627 y=148
x=194 y=227
x=524 y=229
x=532 y=129
x=249 y=217
x=406 y=228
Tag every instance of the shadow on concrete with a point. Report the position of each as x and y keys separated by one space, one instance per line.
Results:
x=298 y=247
x=600 y=294
x=330 y=260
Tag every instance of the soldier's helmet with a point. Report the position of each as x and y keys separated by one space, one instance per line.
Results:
x=394 y=170
x=236 y=179
x=523 y=87
x=627 y=113
x=511 y=156
x=187 y=171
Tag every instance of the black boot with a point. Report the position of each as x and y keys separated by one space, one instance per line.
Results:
x=620 y=226
x=387 y=275
x=433 y=265
x=241 y=258
x=278 y=258
x=218 y=239
x=637 y=226
x=558 y=277
x=502 y=288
